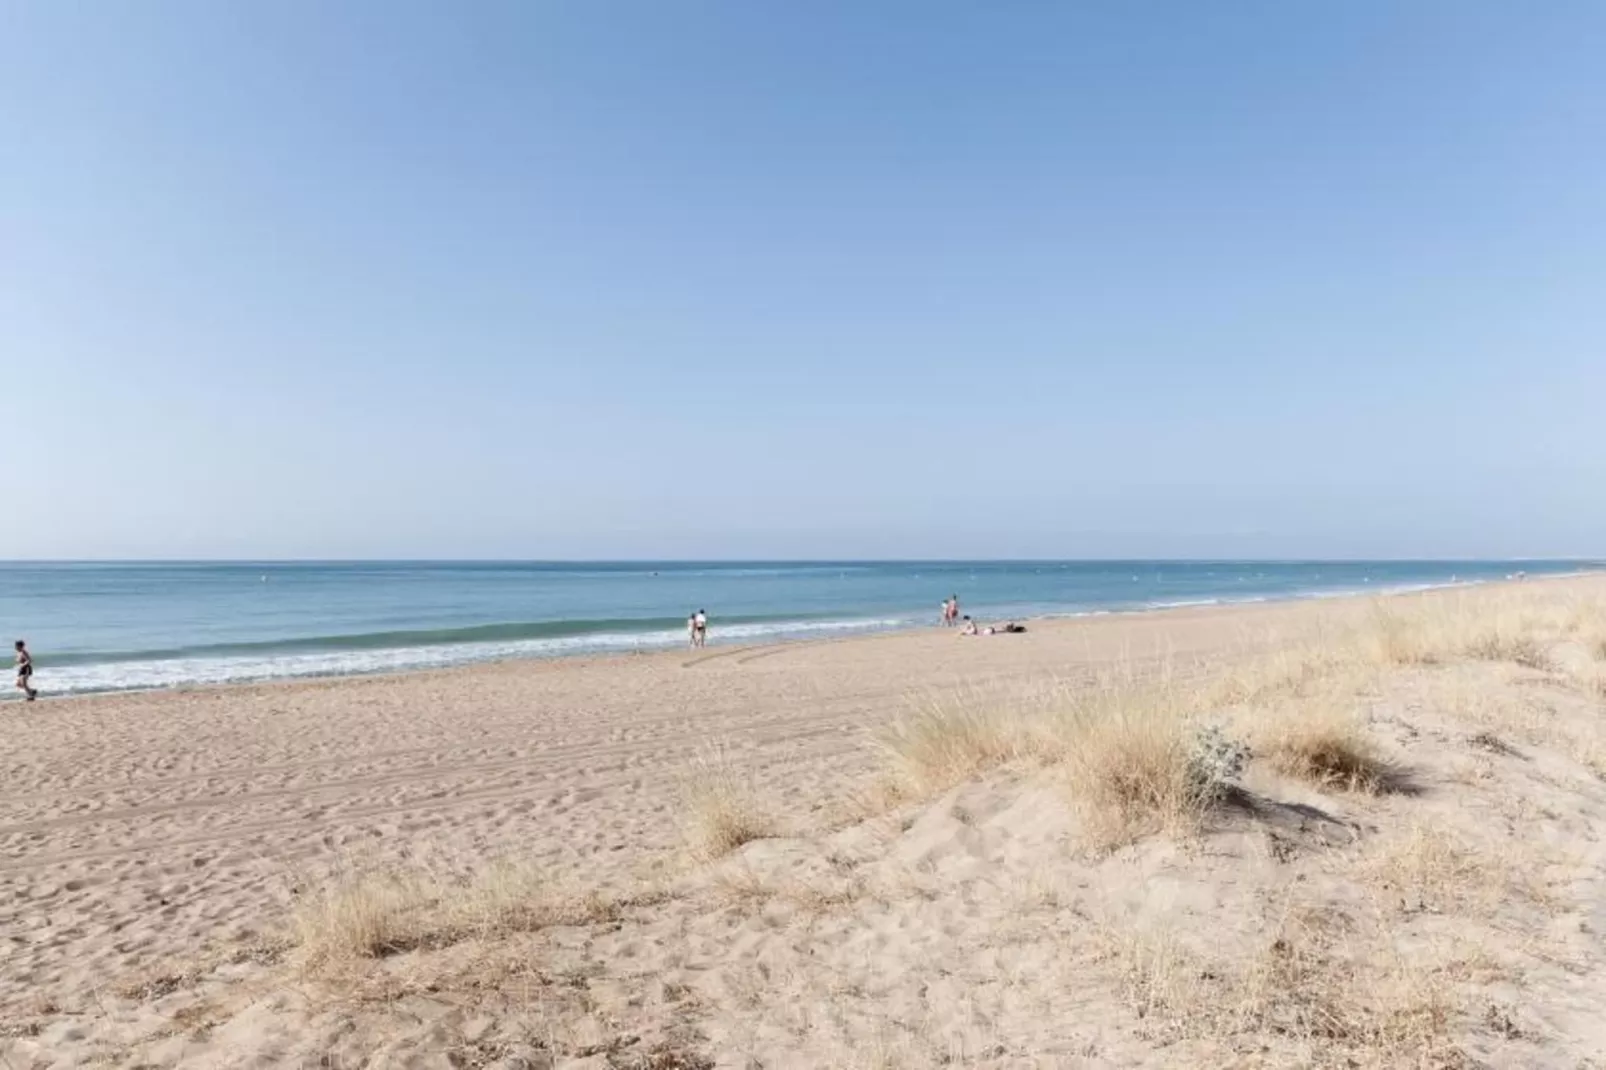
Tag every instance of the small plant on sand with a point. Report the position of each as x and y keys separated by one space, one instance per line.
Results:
x=720 y=813
x=1327 y=746
x=1215 y=762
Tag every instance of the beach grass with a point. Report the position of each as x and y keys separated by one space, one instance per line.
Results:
x=1219 y=863
x=946 y=739
x=1326 y=744
x=720 y=810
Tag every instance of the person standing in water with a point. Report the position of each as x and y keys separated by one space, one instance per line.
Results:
x=25 y=671
x=699 y=622
x=691 y=630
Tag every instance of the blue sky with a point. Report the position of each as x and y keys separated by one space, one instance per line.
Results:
x=819 y=280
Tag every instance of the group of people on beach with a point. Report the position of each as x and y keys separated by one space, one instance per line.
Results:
x=697 y=629
x=1009 y=627
x=951 y=618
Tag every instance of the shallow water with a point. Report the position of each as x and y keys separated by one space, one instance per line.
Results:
x=111 y=626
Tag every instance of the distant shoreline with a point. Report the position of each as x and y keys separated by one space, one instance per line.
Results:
x=723 y=646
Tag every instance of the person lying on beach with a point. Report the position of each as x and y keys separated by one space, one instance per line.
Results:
x=1008 y=628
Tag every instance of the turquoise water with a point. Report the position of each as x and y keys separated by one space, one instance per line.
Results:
x=103 y=626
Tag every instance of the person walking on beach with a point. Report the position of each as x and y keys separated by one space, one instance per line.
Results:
x=947 y=613
x=691 y=630
x=953 y=609
x=699 y=628
x=25 y=671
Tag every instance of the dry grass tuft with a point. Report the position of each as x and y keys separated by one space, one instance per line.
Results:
x=508 y=897
x=946 y=741
x=1531 y=718
x=1379 y=1012
x=1310 y=985
x=1524 y=717
x=720 y=811
x=1137 y=765
x=1158 y=975
x=1484 y=626
x=358 y=914
x=513 y=897
x=362 y=915
x=1289 y=673
x=1401 y=639
x=1328 y=746
x=1496 y=644
x=748 y=892
x=1134 y=761
x=1428 y=870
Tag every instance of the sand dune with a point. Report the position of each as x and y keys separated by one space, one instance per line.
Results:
x=518 y=835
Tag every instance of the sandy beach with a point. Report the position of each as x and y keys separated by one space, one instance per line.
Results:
x=157 y=848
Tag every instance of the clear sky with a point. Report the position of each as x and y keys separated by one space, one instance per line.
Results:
x=884 y=279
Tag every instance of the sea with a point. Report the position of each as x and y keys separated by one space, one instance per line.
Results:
x=111 y=626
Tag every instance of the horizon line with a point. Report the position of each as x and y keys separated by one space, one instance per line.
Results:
x=1094 y=559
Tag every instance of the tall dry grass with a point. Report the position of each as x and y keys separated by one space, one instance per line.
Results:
x=1291 y=672
x=1517 y=626
x=1326 y=744
x=1586 y=622
x=946 y=739
x=720 y=811
x=1133 y=756
x=361 y=914
x=357 y=913
x=512 y=896
x=1129 y=743
x=1134 y=762
x=1311 y=985
x=1430 y=869
x=1398 y=638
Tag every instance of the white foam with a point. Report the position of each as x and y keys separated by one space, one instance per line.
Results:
x=201 y=671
